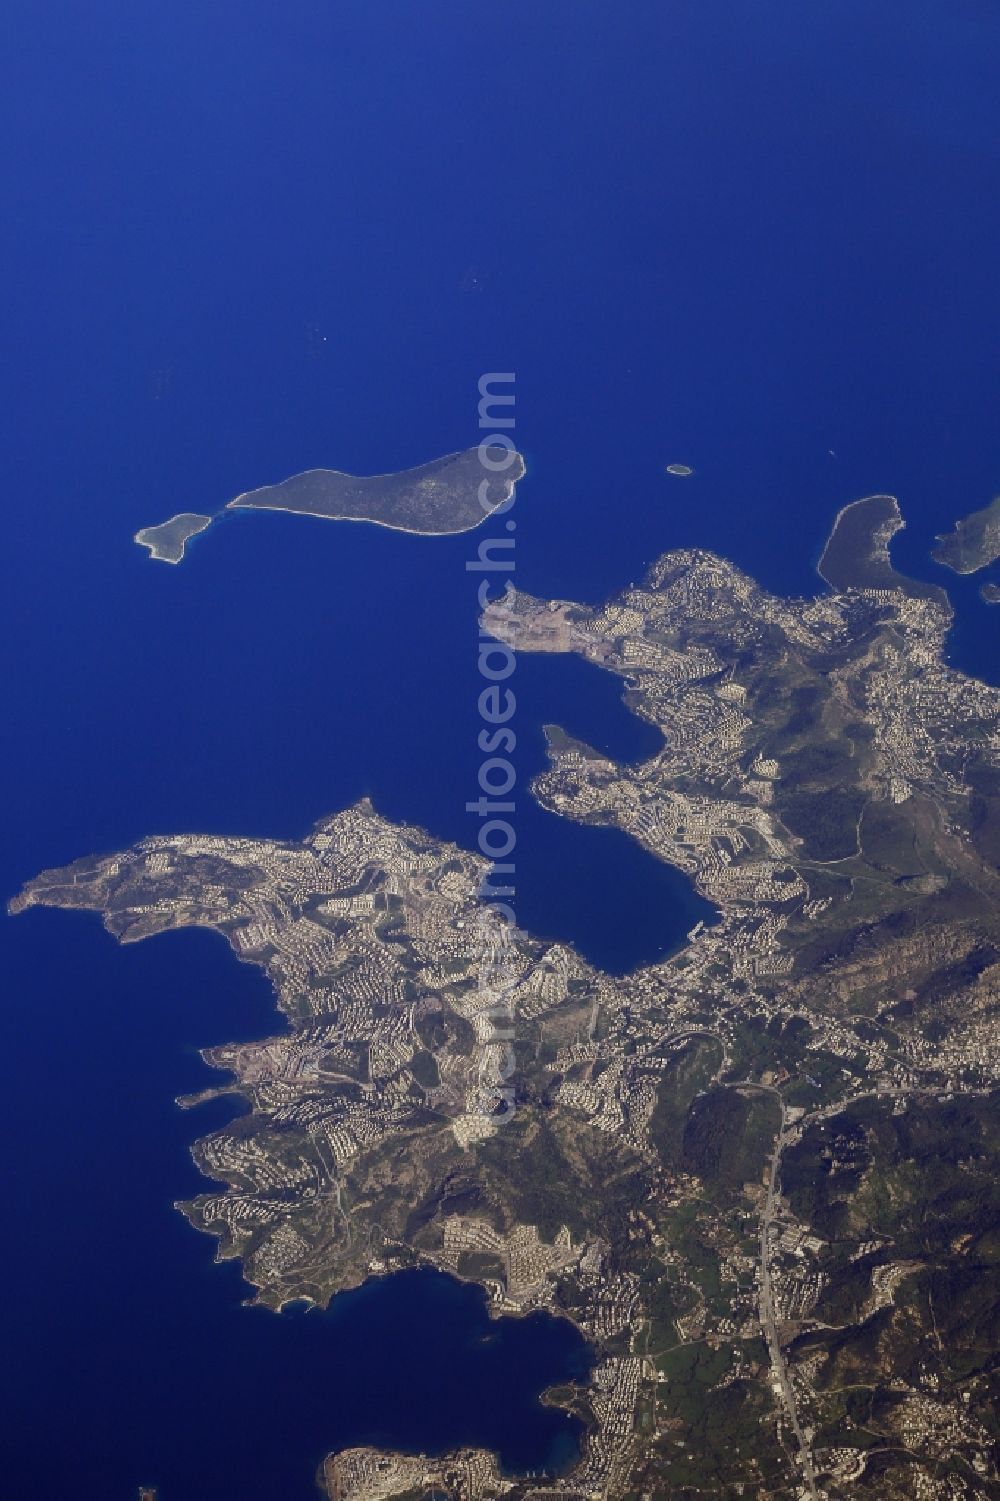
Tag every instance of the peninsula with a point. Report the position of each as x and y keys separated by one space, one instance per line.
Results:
x=761 y=1175
x=856 y=555
x=975 y=542
x=452 y=494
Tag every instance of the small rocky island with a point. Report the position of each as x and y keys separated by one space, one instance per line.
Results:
x=167 y=541
x=974 y=544
x=452 y=494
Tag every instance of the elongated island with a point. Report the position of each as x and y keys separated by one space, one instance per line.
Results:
x=448 y=495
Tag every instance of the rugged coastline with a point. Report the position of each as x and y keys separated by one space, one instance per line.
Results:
x=833 y=787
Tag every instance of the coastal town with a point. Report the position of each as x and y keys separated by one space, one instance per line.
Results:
x=753 y=1174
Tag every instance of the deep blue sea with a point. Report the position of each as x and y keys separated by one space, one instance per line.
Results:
x=239 y=240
